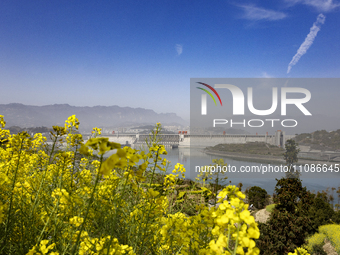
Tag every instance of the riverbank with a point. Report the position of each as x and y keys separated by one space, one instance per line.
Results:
x=264 y=158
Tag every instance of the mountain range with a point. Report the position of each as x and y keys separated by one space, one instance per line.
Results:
x=97 y=116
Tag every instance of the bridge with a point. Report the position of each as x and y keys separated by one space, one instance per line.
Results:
x=196 y=140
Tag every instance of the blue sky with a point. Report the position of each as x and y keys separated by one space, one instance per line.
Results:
x=143 y=53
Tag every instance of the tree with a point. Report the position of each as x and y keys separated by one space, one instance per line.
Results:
x=291 y=157
x=321 y=211
x=289 y=223
x=257 y=196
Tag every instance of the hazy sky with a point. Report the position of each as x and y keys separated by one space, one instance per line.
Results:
x=143 y=53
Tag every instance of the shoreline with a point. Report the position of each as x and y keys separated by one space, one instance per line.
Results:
x=265 y=158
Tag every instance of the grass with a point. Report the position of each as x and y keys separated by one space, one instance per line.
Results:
x=270 y=208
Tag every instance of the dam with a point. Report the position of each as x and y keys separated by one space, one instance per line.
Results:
x=197 y=140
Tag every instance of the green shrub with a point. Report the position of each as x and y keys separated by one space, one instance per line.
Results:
x=257 y=196
x=320 y=212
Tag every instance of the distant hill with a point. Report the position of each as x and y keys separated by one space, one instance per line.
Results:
x=89 y=117
x=320 y=140
x=34 y=130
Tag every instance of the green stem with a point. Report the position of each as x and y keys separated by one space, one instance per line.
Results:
x=148 y=213
x=43 y=230
x=44 y=176
x=74 y=163
x=88 y=207
x=9 y=214
x=238 y=229
x=117 y=213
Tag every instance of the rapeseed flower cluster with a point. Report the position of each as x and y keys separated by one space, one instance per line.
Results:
x=316 y=239
x=332 y=232
x=96 y=131
x=299 y=251
x=69 y=201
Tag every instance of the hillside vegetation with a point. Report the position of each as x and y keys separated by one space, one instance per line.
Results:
x=320 y=140
x=259 y=148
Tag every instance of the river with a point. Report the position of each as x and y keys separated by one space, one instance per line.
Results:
x=194 y=157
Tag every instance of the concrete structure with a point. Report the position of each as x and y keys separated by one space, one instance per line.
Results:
x=186 y=140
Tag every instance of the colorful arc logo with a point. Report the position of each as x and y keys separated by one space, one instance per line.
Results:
x=207 y=91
